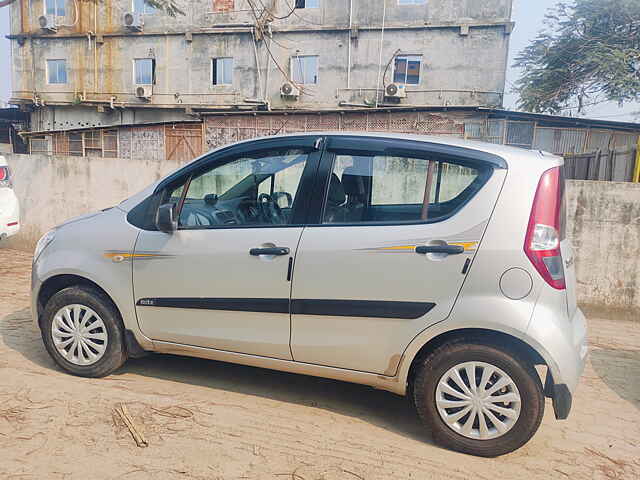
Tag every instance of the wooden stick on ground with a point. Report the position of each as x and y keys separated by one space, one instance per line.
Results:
x=123 y=413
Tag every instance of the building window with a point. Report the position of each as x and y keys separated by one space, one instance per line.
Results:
x=93 y=143
x=307 y=3
x=40 y=144
x=222 y=71
x=56 y=71
x=304 y=69
x=412 y=2
x=141 y=6
x=407 y=69
x=54 y=7
x=145 y=71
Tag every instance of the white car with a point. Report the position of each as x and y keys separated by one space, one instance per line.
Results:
x=9 y=207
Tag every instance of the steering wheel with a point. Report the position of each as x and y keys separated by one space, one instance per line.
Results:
x=271 y=212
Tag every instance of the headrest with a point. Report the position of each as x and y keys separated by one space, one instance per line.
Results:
x=336 y=195
x=353 y=183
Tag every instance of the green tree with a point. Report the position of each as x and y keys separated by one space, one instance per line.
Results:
x=588 y=53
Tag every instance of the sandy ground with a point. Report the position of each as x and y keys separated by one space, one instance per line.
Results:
x=210 y=420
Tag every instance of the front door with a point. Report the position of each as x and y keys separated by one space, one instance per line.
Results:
x=391 y=248
x=222 y=280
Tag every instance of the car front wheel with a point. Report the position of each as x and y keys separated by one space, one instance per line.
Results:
x=478 y=398
x=82 y=331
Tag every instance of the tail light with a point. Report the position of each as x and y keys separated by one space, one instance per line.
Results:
x=546 y=228
x=5 y=180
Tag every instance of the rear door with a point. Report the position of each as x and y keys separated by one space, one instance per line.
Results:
x=398 y=225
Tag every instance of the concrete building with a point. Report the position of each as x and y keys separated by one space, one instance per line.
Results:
x=117 y=78
x=95 y=75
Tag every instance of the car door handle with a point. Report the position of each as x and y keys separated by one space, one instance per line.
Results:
x=448 y=249
x=269 y=251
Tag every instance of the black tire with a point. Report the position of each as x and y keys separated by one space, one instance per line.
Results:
x=432 y=367
x=115 y=354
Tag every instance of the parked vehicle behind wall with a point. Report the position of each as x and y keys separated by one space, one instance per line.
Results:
x=9 y=206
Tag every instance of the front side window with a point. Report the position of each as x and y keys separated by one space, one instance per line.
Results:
x=55 y=7
x=407 y=69
x=222 y=71
x=379 y=189
x=255 y=190
x=56 y=71
x=141 y=6
x=144 y=71
x=304 y=69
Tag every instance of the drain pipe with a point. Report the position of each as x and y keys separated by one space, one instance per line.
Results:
x=350 y=40
x=268 y=73
x=255 y=53
x=384 y=17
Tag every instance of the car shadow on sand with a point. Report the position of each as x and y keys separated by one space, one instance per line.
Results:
x=620 y=371
x=383 y=409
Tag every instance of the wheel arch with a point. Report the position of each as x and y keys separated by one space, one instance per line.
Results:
x=495 y=337
x=56 y=283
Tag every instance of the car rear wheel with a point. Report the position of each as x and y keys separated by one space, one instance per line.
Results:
x=477 y=398
x=83 y=332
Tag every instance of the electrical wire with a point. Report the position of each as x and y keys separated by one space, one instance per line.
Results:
x=260 y=28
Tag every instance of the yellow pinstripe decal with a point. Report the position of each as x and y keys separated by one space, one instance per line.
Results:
x=468 y=246
x=111 y=255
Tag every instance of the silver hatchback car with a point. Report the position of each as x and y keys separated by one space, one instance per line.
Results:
x=437 y=269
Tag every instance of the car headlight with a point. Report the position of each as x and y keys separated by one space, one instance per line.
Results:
x=45 y=240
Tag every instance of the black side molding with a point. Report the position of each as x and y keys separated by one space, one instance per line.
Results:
x=266 y=305
x=336 y=308
x=361 y=308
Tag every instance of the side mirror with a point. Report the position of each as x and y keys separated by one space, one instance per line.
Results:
x=165 y=220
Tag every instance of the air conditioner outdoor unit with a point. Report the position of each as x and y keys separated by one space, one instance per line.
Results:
x=289 y=90
x=144 y=91
x=48 y=22
x=395 y=90
x=133 y=21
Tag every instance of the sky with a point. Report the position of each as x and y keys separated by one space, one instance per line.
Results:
x=528 y=15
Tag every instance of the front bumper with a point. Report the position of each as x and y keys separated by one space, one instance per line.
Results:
x=9 y=213
x=7 y=231
x=9 y=226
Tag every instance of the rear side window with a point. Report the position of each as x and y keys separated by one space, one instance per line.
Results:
x=390 y=189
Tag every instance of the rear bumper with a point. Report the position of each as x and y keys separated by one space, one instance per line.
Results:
x=563 y=343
